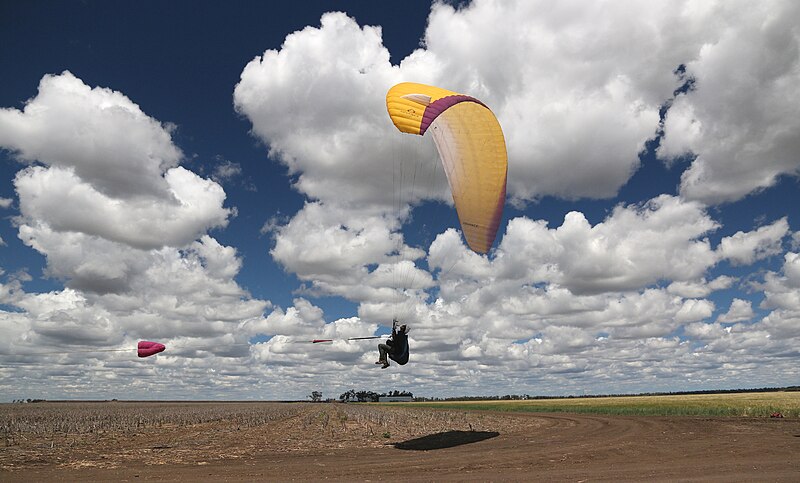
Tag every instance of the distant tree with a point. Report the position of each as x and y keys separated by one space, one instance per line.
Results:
x=316 y=396
x=371 y=396
x=348 y=396
x=367 y=396
x=394 y=393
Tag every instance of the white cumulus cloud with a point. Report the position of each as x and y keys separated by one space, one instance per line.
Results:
x=739 y=121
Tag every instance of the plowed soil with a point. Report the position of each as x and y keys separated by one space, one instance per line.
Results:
x=347 y=442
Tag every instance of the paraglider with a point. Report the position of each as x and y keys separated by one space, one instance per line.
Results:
x=472 y=149
x=396 y=347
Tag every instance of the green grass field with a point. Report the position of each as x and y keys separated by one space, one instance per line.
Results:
x=754 y=404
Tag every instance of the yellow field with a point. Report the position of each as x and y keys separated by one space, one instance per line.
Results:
x=751 y=404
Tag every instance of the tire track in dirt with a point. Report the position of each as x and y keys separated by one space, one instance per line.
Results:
x=596 y=448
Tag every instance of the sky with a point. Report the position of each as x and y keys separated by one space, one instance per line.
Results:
x=224 y=178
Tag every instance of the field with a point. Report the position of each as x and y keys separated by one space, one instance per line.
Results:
x=586 y=440
x=755 y=404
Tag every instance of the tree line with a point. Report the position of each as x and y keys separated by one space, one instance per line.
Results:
x=361 y=396
x=589 y=396
x=370 y=396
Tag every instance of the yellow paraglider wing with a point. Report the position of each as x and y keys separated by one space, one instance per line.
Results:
x=472 y=149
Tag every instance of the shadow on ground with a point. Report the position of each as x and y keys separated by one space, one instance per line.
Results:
x=445 y=440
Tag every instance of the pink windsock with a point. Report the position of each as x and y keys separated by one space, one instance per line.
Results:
x=147 y=348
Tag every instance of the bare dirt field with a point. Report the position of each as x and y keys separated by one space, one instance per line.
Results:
x=304 y=441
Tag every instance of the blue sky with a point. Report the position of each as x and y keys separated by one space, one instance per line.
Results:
x=222 y=178
x=179 y=61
